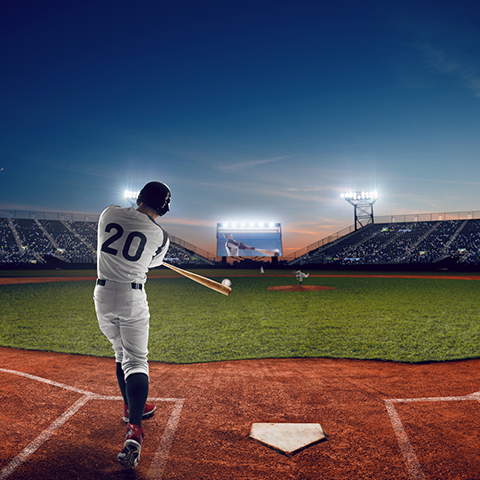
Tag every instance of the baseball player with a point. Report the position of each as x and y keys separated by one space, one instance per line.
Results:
x=130 y=242
x=300 y=276
x=232 y=246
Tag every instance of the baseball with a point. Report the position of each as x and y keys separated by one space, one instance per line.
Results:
x=226 y=282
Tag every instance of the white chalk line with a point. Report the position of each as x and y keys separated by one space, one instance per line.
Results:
x=159 y=461
x=157 y=467
x=414 y=470
x=412 y=464
x=42 y=438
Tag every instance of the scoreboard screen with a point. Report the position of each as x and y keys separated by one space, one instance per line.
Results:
x=249 y=240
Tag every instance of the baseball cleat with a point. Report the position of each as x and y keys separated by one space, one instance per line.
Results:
x=130 y=454
x=147 y=412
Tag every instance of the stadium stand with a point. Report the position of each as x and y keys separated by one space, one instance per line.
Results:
x=69 y=243
x=410 y=243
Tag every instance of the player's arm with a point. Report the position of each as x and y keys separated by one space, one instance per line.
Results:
x=243 y=246
x=240 y=245
x=157 y=259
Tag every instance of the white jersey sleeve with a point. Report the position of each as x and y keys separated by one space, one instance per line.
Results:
x=129 y=244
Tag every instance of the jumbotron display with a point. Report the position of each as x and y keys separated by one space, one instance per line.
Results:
x=249 y=239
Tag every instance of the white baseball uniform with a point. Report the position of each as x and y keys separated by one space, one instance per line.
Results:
x=232 y=247
x=129 y=244
x=300 y=276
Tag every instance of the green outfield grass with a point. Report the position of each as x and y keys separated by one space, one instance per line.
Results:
x=408 y=320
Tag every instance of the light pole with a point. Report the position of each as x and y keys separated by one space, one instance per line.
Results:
x=363 y=206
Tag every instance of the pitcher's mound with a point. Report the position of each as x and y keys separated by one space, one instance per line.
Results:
x=296 y=288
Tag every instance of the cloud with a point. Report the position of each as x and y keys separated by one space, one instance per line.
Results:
x=444 y=180
x=473 y=83
x=249 y=164
x=438 y=58
x=446 y=42
x=450 y=62
x=185 y=222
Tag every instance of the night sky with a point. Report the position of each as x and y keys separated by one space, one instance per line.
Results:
x=248 y=110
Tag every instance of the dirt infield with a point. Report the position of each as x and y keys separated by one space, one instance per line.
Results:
x=61 y=418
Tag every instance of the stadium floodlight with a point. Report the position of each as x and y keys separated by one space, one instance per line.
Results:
x=360 y=195
x=225 y=227
x=363 y=206
x=130 y=194
x=131 y=197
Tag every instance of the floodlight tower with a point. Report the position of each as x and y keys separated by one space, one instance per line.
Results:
x=363 y=206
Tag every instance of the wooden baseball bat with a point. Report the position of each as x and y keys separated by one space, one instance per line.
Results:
x=207 y=282
x=272 y=253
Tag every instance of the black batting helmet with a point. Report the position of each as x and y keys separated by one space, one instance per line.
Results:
x=156 y=195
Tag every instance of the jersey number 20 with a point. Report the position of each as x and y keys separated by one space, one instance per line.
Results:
x=128 y=242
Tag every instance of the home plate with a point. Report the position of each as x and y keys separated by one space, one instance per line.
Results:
x=289 y=438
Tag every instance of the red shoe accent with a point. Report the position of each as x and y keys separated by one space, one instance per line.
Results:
x=147 y=412
x=130 y=454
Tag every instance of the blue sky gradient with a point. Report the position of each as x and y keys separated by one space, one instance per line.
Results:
x=251 y=110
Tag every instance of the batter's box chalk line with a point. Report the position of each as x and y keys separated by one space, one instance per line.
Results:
x=159 y=461
x=414 y=469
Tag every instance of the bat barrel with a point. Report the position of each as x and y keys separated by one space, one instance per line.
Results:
x=207 y=282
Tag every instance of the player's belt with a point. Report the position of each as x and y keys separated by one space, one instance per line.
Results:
x=135 y=286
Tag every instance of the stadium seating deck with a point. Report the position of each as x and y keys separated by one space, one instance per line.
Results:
x=29 y=241
x=402 y=243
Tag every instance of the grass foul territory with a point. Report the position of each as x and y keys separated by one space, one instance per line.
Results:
x=396 y=319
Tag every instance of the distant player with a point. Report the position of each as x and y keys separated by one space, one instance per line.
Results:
x=300 y=276
x=262 y=271
x=130 y=242
x=232 y=246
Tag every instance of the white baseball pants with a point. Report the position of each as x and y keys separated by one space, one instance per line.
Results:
x=123 y=317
